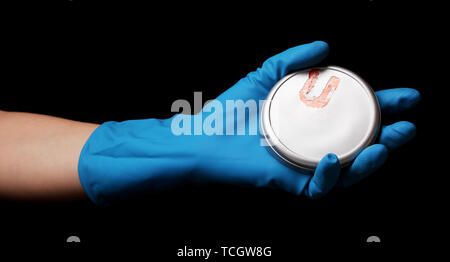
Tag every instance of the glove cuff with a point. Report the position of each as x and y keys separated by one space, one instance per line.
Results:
x=122 y=160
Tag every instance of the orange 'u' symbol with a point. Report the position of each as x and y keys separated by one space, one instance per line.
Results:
x=325 y=96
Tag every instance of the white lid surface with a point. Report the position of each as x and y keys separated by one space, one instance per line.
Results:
x=317 y=111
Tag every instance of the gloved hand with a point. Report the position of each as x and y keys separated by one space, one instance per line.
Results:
x=126 y=159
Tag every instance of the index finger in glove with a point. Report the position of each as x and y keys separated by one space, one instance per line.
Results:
x=276 y=67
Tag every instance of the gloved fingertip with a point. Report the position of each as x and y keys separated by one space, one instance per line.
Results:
x=397 y=99
x=321 y=44
x=379 y=154
x=397 y=134
x=325 y=176
x=328 y=165
x=410 y=96
x=416 y=94
x=331 y=158
x=370 y=159
x=406 y=129
x=305 y=55
x=320 y=49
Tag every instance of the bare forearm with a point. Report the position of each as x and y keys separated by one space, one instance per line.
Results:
x=39 y=156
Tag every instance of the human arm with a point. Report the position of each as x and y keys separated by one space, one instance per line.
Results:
x=39 y=156
x=122 y=160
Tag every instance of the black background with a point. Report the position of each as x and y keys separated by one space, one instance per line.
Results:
x=116 y=61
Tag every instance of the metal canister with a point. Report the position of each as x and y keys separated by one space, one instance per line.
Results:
x=316 y=111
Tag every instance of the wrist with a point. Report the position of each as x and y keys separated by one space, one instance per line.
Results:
x=122 y=160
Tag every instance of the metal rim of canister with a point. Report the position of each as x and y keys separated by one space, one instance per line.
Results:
x=278 y=148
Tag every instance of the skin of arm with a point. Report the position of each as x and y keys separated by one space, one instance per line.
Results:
x=39 y=156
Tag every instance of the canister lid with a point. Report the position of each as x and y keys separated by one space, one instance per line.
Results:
x=317 y=111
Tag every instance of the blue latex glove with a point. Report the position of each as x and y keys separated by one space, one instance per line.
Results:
x=126 y=159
